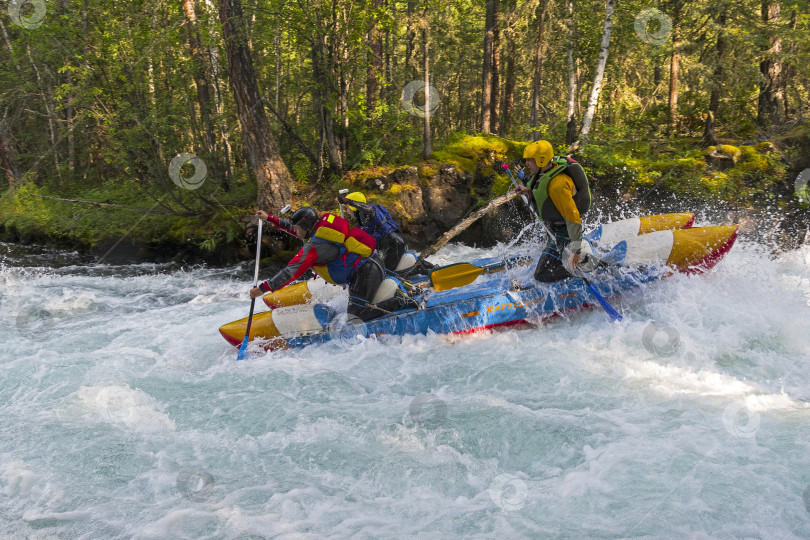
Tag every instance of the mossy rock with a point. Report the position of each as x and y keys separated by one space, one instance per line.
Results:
x=765 y=147
x=427 y=170
x=500 y=186
x=466 y=152
x=729 y=150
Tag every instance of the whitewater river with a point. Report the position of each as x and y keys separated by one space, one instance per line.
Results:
x=123 y=414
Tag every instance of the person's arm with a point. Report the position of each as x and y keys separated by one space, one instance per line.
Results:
x=561 y=190
x=284 y=225
x=306 y=258
x=364 y=213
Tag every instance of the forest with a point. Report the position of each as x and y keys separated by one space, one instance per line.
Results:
x=168 y=122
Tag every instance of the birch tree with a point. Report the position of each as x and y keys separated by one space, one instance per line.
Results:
x=599 y=74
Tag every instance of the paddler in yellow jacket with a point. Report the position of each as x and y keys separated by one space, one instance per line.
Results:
x=560 y=193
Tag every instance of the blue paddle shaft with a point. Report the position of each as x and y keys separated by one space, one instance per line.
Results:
x=601 y=299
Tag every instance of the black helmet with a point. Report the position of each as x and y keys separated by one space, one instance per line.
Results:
x=305 y=217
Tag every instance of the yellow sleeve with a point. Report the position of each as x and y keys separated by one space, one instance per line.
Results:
x=561 y=190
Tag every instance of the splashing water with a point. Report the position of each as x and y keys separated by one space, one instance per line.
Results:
x=125 y=415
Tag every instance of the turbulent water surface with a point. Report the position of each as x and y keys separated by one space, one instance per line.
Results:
x=123 y=414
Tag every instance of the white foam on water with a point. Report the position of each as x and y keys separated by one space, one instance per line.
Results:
x=125 y=415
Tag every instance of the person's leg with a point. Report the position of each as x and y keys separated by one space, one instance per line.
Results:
x=392 y=247
x=362 y=289
x=550 y=266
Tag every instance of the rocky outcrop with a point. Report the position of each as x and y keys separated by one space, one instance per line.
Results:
x=448 y=196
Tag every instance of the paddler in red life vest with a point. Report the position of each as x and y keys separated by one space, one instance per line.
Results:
x=560 y=193
x=338 y=253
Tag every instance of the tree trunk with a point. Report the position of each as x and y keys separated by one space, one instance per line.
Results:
x=509 y=87
x=674 y=68
x=571 y=124
x=771 y=107
x=789 y=68
x=205 y=98
x=273 y=180
x=374 y=63
x=717 y=80
x=534 y=116
x=224 y=133
x=323 y=98
x=410 y=35
x=600 y=73
x=8 y=154
x=486 y=69
x=277 y=47
x=427 y=152
x=47 y=104
x=495 y=98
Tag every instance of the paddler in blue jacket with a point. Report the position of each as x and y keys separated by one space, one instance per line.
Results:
x=339 y=254
x=560 y=193
x=377 y=221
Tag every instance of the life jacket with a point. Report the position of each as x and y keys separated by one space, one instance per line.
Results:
x=356 y=246
x=539 y=186
x=381 y=224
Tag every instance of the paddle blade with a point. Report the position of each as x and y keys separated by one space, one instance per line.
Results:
x=457 y=275
x=243 y=350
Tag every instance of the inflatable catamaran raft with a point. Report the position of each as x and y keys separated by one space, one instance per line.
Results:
x=495 y=292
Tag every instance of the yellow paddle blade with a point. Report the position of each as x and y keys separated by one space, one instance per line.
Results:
x=456 y=275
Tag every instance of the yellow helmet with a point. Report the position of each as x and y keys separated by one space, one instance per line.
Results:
x=356 y=196
x=540 y=151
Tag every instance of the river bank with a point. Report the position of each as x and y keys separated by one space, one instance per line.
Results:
x=754 y=185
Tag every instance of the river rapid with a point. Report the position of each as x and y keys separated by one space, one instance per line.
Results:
x=123 y=413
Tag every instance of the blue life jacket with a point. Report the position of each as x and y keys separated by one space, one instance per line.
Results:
x=382 y=224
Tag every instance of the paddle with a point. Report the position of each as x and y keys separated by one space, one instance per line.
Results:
x=515 y=183
x=243 y=349
x=461 y=274
x=340 y=194
x=601 y=299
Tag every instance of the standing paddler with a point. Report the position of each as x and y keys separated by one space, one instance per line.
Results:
x=560 y=193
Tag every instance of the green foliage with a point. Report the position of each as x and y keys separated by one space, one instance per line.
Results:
x=684 y=171
x=98 y=101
